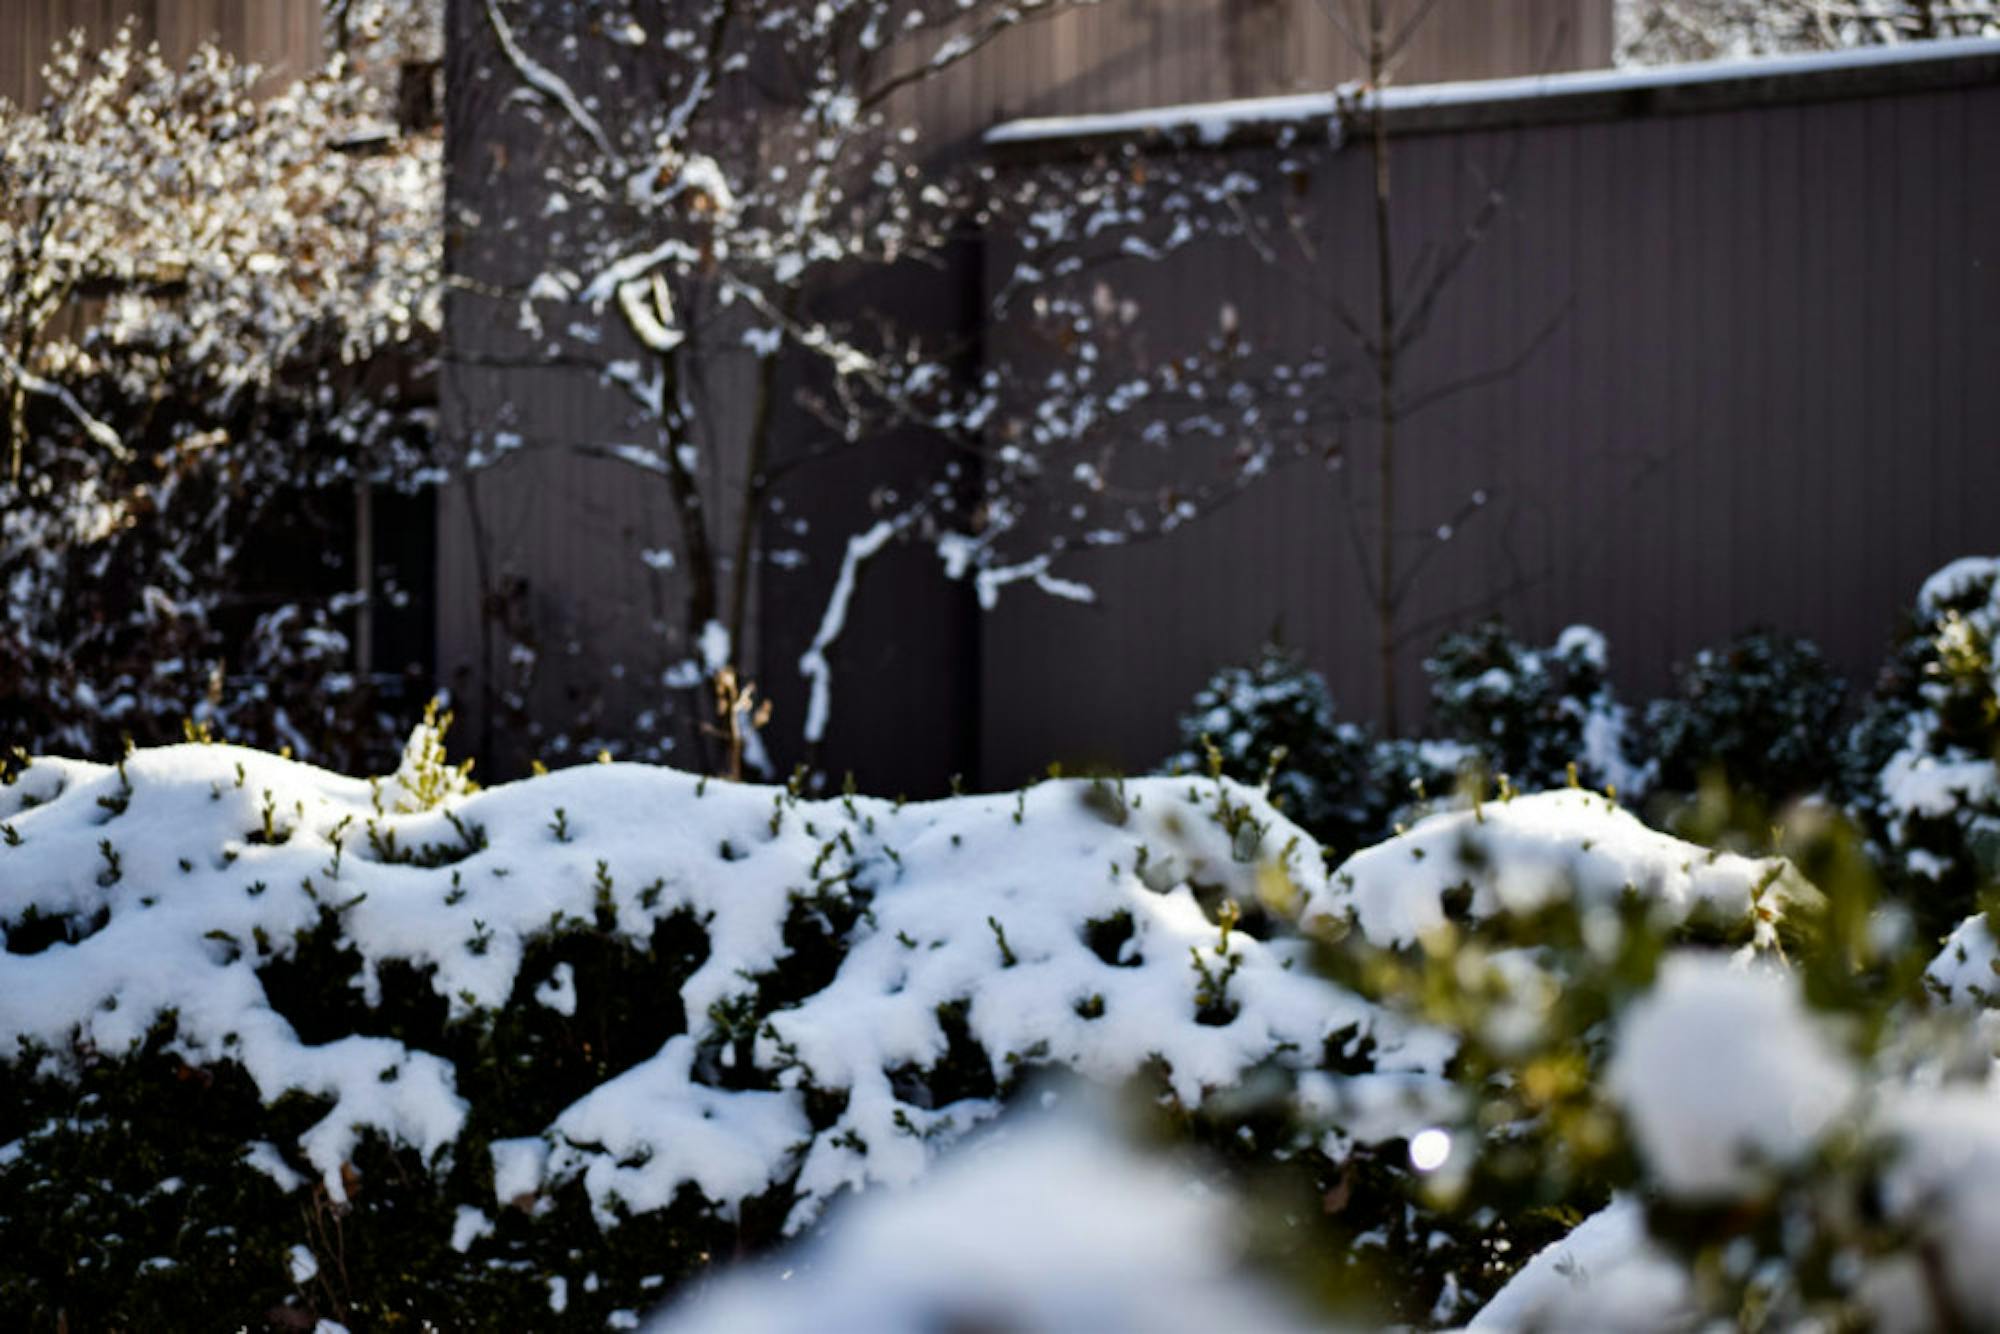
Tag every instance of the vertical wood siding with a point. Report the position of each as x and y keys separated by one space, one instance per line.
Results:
x=281 y=35
x=565 y=533
x=1125 y=54
x=1772 y=402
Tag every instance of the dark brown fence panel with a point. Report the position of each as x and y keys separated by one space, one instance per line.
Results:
x=1770 y=402
x=561 y=537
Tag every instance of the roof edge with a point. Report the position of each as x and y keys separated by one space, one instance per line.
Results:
x=1530 y=100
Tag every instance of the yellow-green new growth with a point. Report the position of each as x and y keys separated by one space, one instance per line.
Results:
x=427 y=778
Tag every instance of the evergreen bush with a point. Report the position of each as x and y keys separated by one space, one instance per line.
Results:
x=1273 y=722
x=1924 y=766
x=1530 y=713
x=283 y=1047
x=1763 y=712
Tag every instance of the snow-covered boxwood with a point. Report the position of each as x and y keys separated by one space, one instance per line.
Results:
x=287 y=1045
x=1273 y=722
x=1532 y=713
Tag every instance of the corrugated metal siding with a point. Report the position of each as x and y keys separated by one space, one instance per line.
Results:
x=1772 y=402
x=282 y=35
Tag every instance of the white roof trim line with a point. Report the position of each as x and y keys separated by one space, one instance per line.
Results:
x=1213 y=122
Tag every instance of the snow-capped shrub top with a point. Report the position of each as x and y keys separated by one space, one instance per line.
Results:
x=1275 y=718
x=1516 y=855
x=1723 y=1075
x=1967 y=970
x=1965 y=584
x=1531 y=713
x=861 y=979
x=1044 y=1225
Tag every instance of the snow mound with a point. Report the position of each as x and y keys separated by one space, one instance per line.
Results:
x=1079 y=925
x=1607 y=1274
x=1518 y=855
x=1046 y=1224
x=1722 y=1073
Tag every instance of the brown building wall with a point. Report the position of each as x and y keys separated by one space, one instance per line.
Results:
x=562 y=535
x=1771 y=400
x=282 y=35
x=1125 y=54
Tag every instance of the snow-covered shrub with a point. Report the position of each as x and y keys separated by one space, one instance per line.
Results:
x=1927 y=753
x=1532 y=713
x=550 y=1048
x=1733 y=1063
x=1428 y=1199
x=197 y=279
x=1051 y=1223
x=1763 y=711
x=1273 y=722
x=1800 y=1162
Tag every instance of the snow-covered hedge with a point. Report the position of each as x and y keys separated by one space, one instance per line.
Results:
x=285 y=1046
x=1724 y=1056
x=1751 y=726
x=612 y=1001
x=1051 y=1223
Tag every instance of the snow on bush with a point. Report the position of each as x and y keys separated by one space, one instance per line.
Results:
x=1780 y=1173
x=660 y=992
x=1721 y=1073
x=194 y=273
x=401 y=1050
x=1606 y=1275
x=1273 y=721
x=1523 y=928
x=1932 y=776
x=1813 y=1143
x=1967 y=970
x=1533 y=713
x=1049 y=1223
x=1570 y=846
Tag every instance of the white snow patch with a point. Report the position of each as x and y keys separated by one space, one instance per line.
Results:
x=1608 y=1274
x=1516 y=855
x=559 y=991
x=1722 y=1073
x=1045 y=1225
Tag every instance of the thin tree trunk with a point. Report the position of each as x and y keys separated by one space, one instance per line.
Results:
x=488 y=696
x=1385 y=372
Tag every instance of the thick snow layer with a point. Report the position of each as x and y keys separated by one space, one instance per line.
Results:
x=1721 y=1072
x=1606 y=1275
x=1044 y=1226
x=1916 y=782
x=1531 y=850
x=1954 y=581
x=172 y=888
